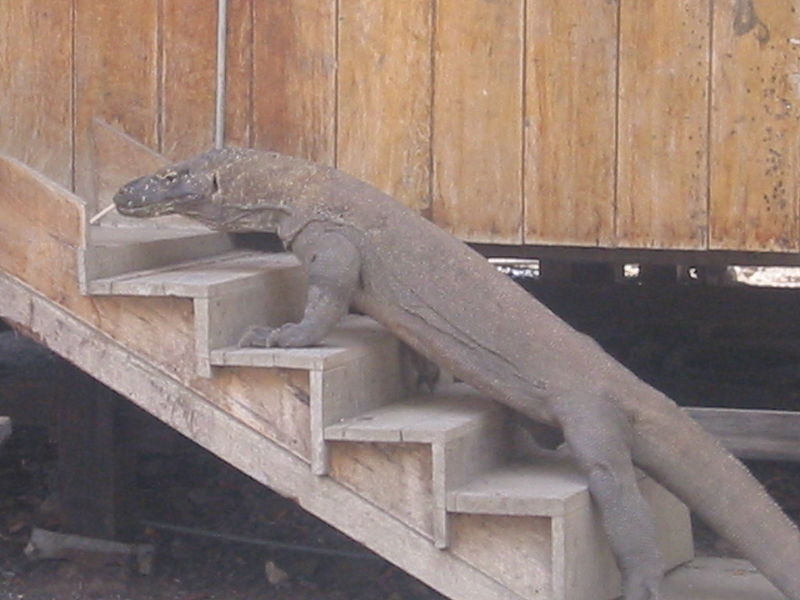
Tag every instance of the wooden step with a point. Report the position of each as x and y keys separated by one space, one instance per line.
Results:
x=424 y=419
x=204 y=278
x=112 y=251
x=565 y=554
x=353 y=338
x=544 y=489
x=713 y=578
x=447 y=437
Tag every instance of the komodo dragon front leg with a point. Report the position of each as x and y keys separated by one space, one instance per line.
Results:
x=333 y=265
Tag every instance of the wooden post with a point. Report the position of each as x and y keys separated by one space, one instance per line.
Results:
x=95 y=465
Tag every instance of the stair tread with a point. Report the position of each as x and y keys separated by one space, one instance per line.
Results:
x=351 y=339
x=547 y=487
x=122 y=236
x=199 y=278
x=423 y=419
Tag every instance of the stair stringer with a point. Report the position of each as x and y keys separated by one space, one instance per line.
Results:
x=193 y=415
x=144 y=348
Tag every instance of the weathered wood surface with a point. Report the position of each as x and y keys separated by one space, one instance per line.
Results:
x=384 y=132
x=477 y=125
x=188 y=73
x=476 y=538
x=753 y=434
x=396 y=477
x=570 y=122
x=663 y=111
x=239 y=74
x=294 y=78
x=36 y=81
x=608 y=124
x=121 y=87
x=755 y=125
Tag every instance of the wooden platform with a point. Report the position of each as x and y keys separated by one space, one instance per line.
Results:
x=426 y=481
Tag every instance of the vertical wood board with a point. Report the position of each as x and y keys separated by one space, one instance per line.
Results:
x=278 y=398
x=662 y=192
x=116 y=75
x=396 y=477
x=39 y=238
x=294 y=78
x=384 y=96
x=36 y=83
x=96 y=461
x=570 y=122
x=239 y=74
x=188 y=76
x=486 y=541
x=477 y=119
x=755 y=125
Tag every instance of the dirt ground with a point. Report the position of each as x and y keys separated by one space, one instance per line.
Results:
x=186 y=486
x=703 y=346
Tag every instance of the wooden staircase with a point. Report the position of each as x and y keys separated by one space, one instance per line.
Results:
x=429 y=481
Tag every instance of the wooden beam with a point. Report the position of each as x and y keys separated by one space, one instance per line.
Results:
x=753 y=434
x=95 y=465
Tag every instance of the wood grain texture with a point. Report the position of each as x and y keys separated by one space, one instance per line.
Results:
x=384 y=97
x=483 y=540
x=188 y=74
x=663 y=124
x=116 y=75
x=755 y=125
x=294 y=81
x=477 y=137
x=396 y=477
x=239 y=76
x=36 y=84
x=570 y=122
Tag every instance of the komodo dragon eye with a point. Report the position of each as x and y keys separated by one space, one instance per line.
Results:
x=172 y=177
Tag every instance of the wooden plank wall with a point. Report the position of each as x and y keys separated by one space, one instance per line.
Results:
x=621 y=123
x=36 y=84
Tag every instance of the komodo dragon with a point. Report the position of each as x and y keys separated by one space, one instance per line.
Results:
x=365 y=250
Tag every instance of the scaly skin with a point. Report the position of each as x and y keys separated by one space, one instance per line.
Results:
x=363 y=249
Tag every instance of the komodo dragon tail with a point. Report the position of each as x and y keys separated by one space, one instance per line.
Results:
x=676 y=451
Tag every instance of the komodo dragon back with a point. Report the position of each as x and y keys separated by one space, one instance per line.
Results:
x=447 y=302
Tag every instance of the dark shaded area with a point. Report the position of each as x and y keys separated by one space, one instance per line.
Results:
x=737 y=347
x=258 y=240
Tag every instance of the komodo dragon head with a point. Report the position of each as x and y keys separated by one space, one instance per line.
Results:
x=213 y=188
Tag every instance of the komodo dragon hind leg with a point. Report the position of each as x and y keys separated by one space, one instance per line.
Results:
x=333 y=271
x=598 y=436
